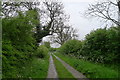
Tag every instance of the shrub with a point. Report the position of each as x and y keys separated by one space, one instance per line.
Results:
x=12 y=60
x=42 y=52
x=102 y=45
x=18 y=43
x=71 y=47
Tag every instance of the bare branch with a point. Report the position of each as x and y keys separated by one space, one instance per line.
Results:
x=104 y=10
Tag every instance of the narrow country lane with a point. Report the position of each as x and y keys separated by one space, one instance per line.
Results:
x=52 y=71
x=74 y=72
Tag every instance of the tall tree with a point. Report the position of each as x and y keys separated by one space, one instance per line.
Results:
x=63 y=34
x=56 y=21
x=50 y=13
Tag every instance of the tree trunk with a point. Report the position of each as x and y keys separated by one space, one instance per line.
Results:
x=118 y=11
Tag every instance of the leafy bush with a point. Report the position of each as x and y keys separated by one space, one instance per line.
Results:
x=94 y=45
x=102 y=45
x=18 y=43
x=71 y=47
x=42 y=52
x=10 y=59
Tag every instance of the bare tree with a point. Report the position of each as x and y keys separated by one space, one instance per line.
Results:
x=50 y=13
x=56 y=21
x=63 y=33
x=106 y=10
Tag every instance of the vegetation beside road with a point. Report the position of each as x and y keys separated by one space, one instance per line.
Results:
x=37 y=68
x=90 y=69
x=20 y=50
x=100 y=46
x=24 y=55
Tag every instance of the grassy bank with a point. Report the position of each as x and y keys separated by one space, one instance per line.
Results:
x=36 y=69
x=89 y=69
x=63 y=73
x=24 y=64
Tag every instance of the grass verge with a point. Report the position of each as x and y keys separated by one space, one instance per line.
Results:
x=89 y=69
x=36 y=69
x=63 y=73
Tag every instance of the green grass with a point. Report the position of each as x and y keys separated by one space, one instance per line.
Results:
x=91 y=70
x=61 y=70
x=36 y=69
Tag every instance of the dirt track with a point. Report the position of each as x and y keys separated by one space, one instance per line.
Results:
x=52 y=71
x=53 y=74
x=74 y=72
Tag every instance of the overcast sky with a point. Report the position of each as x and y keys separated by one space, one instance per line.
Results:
x=76 y=8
